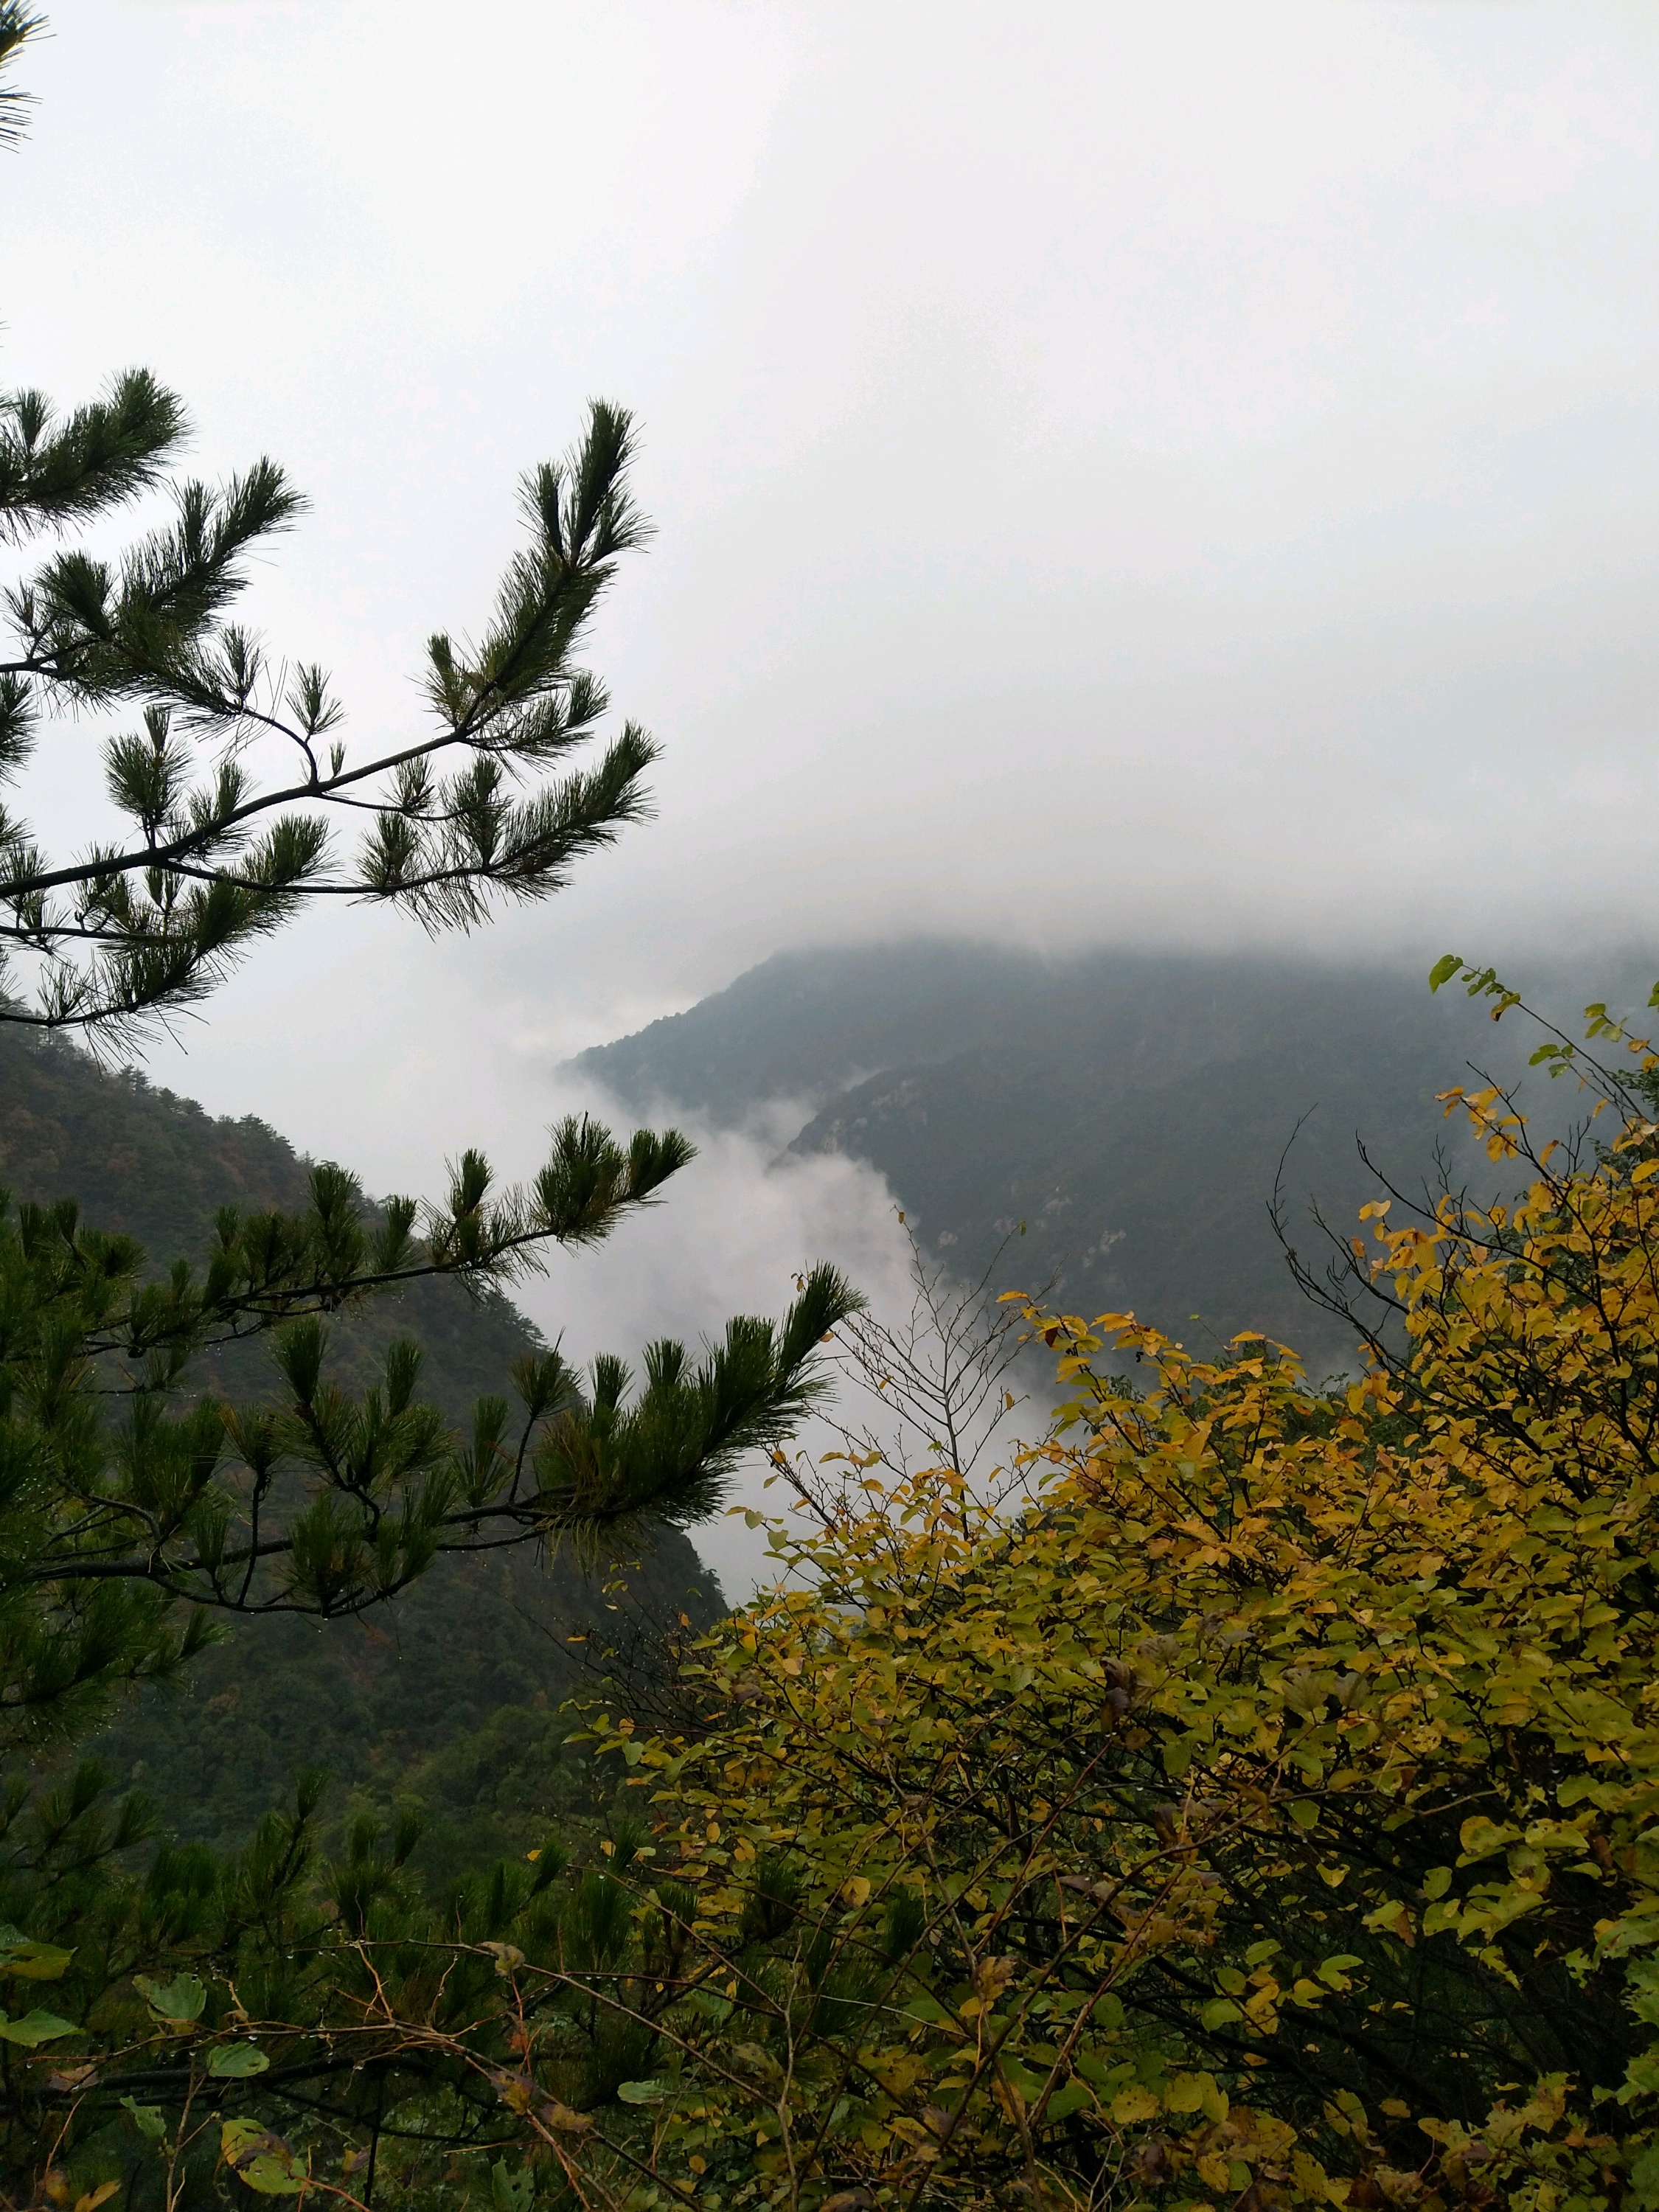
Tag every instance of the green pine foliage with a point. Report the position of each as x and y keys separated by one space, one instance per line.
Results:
x=475 y=1652
x=145 y=1164
x=235 y=783
x=478 y=803
x=216 y=1410
x=140 y=1500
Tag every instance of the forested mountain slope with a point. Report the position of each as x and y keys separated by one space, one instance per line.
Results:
x=1131 y=1109
x=141 y=1160
x=474 y=1653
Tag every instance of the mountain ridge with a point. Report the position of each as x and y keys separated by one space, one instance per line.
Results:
x=1135 y=1111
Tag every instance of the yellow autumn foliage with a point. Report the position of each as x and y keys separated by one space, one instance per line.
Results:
x=1263 y=1814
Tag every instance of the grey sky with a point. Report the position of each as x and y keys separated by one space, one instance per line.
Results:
x=1117 y=468
x=1120 y=470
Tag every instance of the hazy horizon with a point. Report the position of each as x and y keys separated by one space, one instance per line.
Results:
x=1119 y=474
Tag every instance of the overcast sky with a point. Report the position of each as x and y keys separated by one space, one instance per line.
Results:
x=1119 y=471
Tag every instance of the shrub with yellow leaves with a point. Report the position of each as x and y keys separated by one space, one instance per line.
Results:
x=1254 y=1811
x=1263 y=1814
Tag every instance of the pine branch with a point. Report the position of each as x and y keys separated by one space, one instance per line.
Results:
x=196 y=1505
x=16 y=27
x=133 y=930
x=606 y=1467
x=105 y=454
x=267 y=1268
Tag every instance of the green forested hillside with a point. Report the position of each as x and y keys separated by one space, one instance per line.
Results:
x=1132 y=1109
x=141 y=1160
x=441 y=1696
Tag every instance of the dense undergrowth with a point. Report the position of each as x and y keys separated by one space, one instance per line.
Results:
x=1254 y=1808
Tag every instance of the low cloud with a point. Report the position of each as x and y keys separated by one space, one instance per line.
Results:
x=735 y=1229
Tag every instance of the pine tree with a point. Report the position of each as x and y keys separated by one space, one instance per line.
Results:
x=481 y=806
x=133 y=1507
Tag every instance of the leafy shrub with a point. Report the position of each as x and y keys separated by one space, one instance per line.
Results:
x=1257 y=1810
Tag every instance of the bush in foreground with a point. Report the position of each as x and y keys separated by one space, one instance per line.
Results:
x=1258 y=1811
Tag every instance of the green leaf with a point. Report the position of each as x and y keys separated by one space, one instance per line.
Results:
x=1218 y=2012
x=1025 y=2079
x=1644 y=2180
x=1070 y=2098
x=922 y=2007
x=644 y=2092
x=180 y=2001
x=1444 y=969
x=236 y=2062
x=149 y=2119
x=511 y=2192
x=35 y=2027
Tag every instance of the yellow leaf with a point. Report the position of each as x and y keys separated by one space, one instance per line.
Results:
x=261 y=2160
x=1186 y=2093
